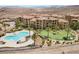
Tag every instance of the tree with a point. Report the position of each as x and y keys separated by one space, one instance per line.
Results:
x=3 y=26
x=68 y=17
x=29 y=27
x=47 y=32
x=34 y=37
x=75 y=25
x=48 y=29
x=18 y=23
x=68 y=32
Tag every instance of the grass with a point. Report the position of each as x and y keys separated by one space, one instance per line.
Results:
x=57 y=35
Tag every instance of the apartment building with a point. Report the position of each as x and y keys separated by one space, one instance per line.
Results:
x=53 y=21
x=74 y=20
x=42 y=22
x=39 y=23
x=63 y=23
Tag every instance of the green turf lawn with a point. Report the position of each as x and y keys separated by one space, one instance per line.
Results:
x=58 y=35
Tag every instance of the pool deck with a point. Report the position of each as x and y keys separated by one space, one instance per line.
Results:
x=10 y=43
x=14 y=44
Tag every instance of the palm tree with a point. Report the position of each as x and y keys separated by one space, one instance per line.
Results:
x=68 y=17
x=2 y=29
x=75 y=25
x=48 y=31
x=68 y=30
x=18 y=22
x=4 y=25
x=38 y=31
x=29 y=27
x=34 y=37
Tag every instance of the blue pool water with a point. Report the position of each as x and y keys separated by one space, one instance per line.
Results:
x=16 y=37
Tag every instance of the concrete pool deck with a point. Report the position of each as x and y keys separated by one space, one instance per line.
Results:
x=10 y=43
x=14 y=44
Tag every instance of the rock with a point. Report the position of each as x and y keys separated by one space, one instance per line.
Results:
x=2 y=33
x=38 y=41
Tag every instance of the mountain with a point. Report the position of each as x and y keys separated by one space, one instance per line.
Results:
x=10 y=11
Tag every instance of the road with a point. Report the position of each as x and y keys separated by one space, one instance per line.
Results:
x=69 y=49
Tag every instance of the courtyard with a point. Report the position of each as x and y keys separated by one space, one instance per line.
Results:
x=57 y=35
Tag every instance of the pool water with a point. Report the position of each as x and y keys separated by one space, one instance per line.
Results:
x=16 y=37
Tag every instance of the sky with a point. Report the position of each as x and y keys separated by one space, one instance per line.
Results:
x=39 y=2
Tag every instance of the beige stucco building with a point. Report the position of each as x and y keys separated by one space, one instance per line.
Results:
x=43 y=22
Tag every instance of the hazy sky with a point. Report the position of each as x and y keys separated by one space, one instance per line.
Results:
x=39 y=2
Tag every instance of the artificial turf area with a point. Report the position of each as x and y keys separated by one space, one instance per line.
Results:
x=57 y=35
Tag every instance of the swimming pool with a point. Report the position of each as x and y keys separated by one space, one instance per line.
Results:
x=16 y=37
